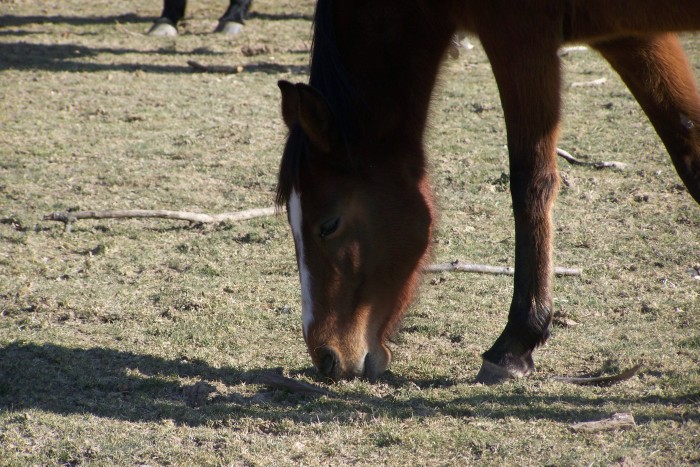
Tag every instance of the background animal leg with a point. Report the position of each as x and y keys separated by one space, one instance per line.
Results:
x=657 y=72
x=232 y=21
x=166 y=25
x=528 y=79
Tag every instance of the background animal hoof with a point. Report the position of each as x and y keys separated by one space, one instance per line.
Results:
x=491 y=373
x=163 y=28
x=229 y=27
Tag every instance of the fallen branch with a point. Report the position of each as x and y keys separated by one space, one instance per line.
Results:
x=122 y=28
x=459 y=41
x=278 y=381
x=560 y=319
x=598 y=165
x=458 y=266
x=250 y=68
x=601 y=380
x=588 y=84
x=196 y=66
x=619 y=421
x=69 y=217
x=564 y=51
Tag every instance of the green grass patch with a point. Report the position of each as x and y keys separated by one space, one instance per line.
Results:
x=138 y=342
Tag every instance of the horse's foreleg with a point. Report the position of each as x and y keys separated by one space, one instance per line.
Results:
x=656 y=71
x=528 y=77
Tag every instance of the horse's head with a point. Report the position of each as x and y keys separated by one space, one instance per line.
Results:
x=361 y=221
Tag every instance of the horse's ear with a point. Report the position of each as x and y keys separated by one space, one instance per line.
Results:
x=290 y=103
x=306 y=106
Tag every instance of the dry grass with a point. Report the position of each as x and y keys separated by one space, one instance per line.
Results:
x=139 y=341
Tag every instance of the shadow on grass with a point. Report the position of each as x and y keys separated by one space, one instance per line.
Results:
x=128 y=386
x=15 y=21
x=73 y=58
x=279 y=17
x=18 y=21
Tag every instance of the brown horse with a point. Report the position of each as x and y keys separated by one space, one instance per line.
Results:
x=353 y=173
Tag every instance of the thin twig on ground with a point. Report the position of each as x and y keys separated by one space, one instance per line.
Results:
x=619 y=421
x=588 y=84
x=458 y=266
x=68 y=217
x=123 y=28
x=601 y=380
x=278 y=381
x=564 y=51
x=196 y=66
x=598 y=165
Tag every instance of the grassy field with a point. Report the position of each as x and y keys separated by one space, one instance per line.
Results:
x=139 y=342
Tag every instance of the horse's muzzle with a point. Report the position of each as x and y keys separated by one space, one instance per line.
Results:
x=330 y=365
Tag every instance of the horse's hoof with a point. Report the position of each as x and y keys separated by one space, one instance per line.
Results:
x=490 y=373
x=229 y=27
x=162 y=29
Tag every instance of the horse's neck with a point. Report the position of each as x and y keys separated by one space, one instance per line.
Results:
x=396 y=77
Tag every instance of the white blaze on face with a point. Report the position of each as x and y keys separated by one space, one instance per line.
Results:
x=295 y=216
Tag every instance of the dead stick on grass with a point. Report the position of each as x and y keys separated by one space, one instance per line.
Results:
x=619 y=421
x=278 y=381
x=598 y=165
x=564 y=51
x=458 y=266
x=587 y=84
x=196 y=66
x=69 y=217
x=601 y=380
x=122 y=28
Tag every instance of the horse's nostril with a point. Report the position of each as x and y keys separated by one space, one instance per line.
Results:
x=328 y=360
x=376 y=363
x=369 y=371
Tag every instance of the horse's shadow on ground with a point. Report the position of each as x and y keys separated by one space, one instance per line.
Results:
x=141 y=388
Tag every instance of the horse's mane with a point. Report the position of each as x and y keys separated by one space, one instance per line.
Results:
x=331 y=78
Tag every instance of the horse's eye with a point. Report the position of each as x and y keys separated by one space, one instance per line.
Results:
x=328 y=227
